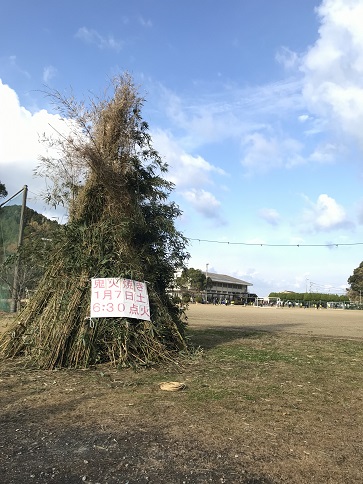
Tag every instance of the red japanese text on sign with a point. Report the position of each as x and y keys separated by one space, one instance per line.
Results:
x=115 y=298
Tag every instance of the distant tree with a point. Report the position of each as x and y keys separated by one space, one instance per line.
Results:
x=312 y=297
x=356 y=283
x=195 y=280
x=3 y=191
x=356 y=279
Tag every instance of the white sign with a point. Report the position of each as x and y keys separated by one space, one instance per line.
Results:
x=119 y=298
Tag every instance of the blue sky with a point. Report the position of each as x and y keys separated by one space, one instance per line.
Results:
x=257 y=106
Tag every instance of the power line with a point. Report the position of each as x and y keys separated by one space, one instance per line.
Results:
x=36 y=194
x=252 y=244
x=325 y=286
x=257 y=244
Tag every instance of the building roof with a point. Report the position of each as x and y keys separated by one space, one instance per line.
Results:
x=228 y=279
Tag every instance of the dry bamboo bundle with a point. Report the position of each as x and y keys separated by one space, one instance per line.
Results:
x=120 y=225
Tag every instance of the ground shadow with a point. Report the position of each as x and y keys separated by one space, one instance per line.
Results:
x=210 y=337
x=133 y=451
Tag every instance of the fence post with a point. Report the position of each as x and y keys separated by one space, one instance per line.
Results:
x=15 y=291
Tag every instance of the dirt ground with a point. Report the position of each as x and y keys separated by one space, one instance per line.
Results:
x=313 y=322
x=106 y=426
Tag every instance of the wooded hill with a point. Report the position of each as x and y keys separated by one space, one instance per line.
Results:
x=38 y=234
x=35 y=224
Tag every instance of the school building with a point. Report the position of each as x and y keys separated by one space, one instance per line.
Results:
x=228 y=288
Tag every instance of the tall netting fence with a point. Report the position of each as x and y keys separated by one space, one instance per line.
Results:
x=10 y=218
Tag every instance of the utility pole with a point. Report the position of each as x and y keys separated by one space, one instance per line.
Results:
x=15 y=291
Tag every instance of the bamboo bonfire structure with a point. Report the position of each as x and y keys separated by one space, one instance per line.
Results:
x=121 y=225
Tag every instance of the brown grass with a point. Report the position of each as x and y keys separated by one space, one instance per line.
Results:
x=6 y=320
x=259 y=406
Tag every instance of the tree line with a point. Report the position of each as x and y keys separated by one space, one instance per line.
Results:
x=311 y=297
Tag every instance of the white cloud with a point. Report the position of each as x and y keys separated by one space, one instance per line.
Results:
x=191 y=174
x=360 y=212
x=19 y=141
x=185 y=170
x=303 y=118
x=49 y=72
x=295 y=240
x=14 y=65
x=270 y=215
x=276 y=98
x=204 y=202
x=145 y=22
x=325 y=215
x=206 y=122
x=263 y=153
x=91 y=36
x=19 y=128
x=287 y=58
x=333 y=68
x=325 y=153
x=230 y=112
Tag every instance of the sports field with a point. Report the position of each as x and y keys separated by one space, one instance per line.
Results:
x=336 y=323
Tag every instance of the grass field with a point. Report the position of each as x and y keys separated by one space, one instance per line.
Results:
x=276 y=396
